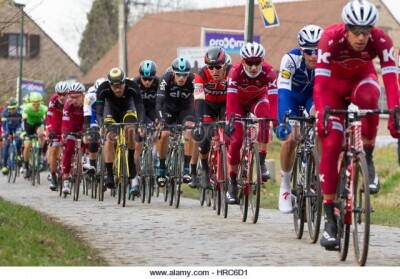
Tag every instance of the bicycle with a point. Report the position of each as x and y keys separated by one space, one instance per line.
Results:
x=147 y=166
x=305 y=187
x=90 y=180
x=174 y=162
x=34 y=160
x=13 y=162
x=121 y=163
x=352 y=204
x=217 y=162
x=76 y=164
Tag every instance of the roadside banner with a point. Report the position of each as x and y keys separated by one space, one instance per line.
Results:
x=268 y=13
x=195 y=55
x=230 y=40
x=30 y=85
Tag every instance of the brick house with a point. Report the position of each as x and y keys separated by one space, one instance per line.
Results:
x=43 y=58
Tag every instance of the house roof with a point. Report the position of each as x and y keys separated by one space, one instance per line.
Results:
x=157 y=36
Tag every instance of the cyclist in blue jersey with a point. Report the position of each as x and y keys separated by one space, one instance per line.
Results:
x=295 y=90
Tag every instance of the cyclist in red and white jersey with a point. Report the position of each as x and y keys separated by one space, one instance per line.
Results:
x=53 y=128
x=345 y=73
x=251 y=89
x=210 y=86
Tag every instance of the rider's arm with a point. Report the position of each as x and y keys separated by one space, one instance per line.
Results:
x=160 y=98
x=4 y=121
x=88 y=102
x=199 y=97
x=100 y=105
x=286 y=72
x=138 y=102
x=272 y=93
x=385 y=50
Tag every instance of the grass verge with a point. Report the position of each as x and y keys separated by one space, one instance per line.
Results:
x=30 y=239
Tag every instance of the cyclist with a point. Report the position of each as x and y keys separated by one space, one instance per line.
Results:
x=90 y=123
x=345 y=73
x=251 y=88
x=33 y=114
x=210 y=100
x=11 y=125
x=295 y=88
x=174 y=104
x=53 y=128
x=72 y=122
x=119 y=100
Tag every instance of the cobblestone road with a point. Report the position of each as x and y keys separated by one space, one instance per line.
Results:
x=157 y=234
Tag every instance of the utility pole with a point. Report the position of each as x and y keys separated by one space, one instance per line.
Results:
x=21 y=52
x=122 y=35
x=249 y=21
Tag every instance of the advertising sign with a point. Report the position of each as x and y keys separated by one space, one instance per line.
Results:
x=268 y=13
x=29 y=85
x=230 y=40
x=195 y=55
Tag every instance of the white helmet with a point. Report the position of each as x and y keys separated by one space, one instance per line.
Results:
x=309 y=36
x=76 y=87
x=360 y=13
x=61 y=87
x=252 y=50
x=98 y=82
x=91 y=89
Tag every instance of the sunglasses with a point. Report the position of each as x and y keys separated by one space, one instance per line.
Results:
x=217 y=67
x=116 y=85
x=253 y=63
x=358 y=30
x=181 y=74
x=147 y=78
x=310 y=51
x=61 y=94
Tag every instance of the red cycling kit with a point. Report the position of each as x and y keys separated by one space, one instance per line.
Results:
x=256 y=95
x=72 y=122
x=344 y=75
x=54 y=118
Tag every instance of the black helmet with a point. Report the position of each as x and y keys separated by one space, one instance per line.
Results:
x=147 y=68
x=181 y=65
x=215 y=56
x=116 y=76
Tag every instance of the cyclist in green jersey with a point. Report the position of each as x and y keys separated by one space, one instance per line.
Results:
x=33 y=115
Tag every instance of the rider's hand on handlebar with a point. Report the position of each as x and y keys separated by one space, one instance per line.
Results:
x=322 y=130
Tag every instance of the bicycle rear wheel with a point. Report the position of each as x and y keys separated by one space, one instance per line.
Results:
x=361 y=211
x=297 y=184
x=255 y=180
x=313 y=197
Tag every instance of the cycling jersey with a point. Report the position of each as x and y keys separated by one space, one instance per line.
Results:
x=175 y=100
x=54 y=116
x=108 y=104
x=11 y=123
x=295 y=84
x=149 y=96
x=34 y=117
x=256 y=95
x=344 y=75
x=89 y=109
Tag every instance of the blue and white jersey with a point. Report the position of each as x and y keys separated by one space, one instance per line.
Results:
x=295 y=84
x=89 y=107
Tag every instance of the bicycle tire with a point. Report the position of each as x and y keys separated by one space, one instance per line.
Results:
x=178 y=175
x=244 y=204
x=38 y=166
x=100 y=177
x=343 y=228
x=32 y=167
x=298 y=197
x=255 y=193
x=313 y=197
x=125 y=176
x=78 y=172
x=11 y=163
x=361 y=211
x=202 y=197
x=224 y=181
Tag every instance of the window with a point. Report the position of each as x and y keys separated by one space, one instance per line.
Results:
x=10 y=45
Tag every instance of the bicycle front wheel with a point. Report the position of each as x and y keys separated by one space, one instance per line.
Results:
x=341 y=195
x=224 y=180
x=361 y=210
x=313 y=197
x=77 y=176
x=179 y=159
x=255 y=180
x=297 y=184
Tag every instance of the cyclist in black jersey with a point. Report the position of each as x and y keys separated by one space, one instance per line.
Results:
x=175 y=104
x=119 y=100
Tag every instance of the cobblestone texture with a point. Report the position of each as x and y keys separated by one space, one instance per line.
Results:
x=156 y=234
